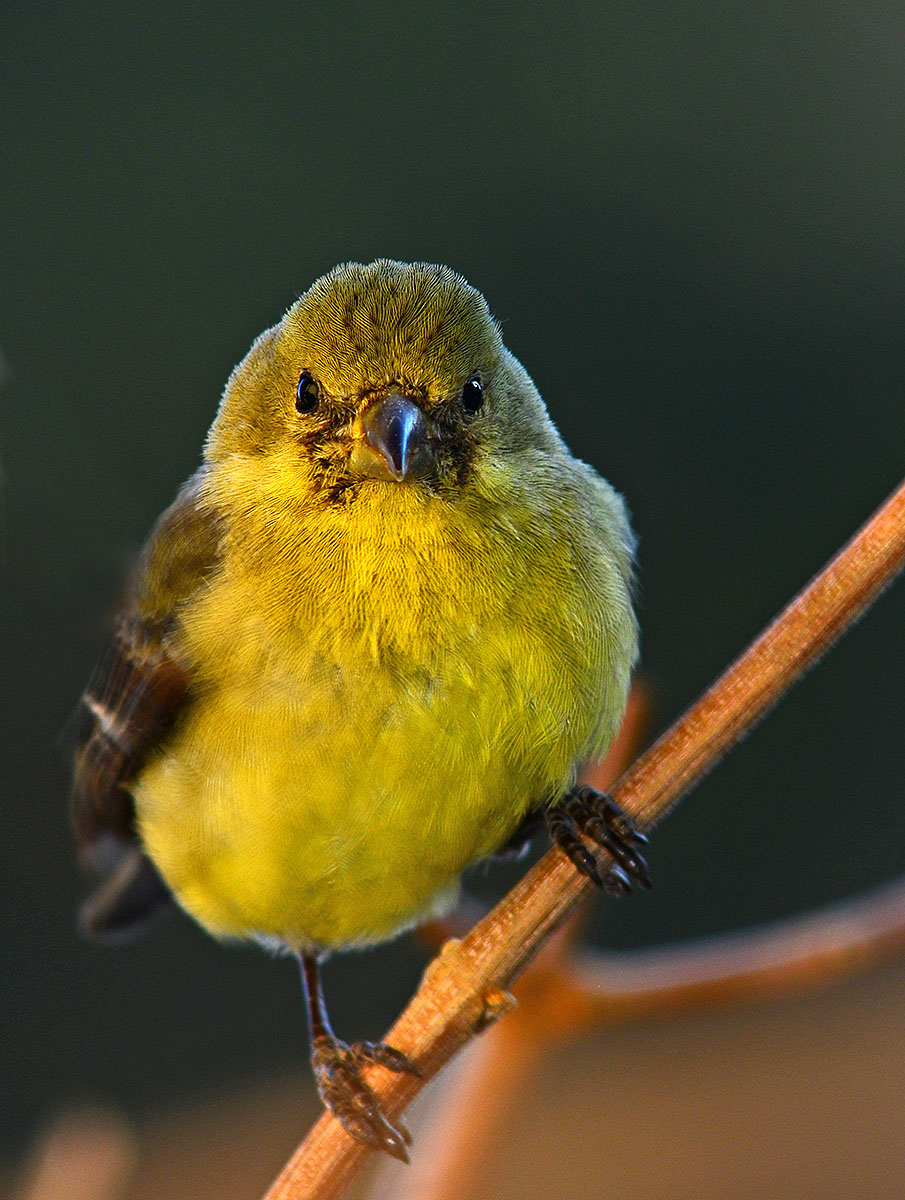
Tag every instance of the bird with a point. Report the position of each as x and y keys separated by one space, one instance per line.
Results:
x=370 y=643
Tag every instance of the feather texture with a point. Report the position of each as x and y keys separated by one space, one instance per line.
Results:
x=334 y=691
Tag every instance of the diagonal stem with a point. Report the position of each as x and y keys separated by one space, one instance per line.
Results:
x=464 y=988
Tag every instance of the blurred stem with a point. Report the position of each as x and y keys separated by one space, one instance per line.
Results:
x=781 y=958
x=464 y=988
x=88 y=1154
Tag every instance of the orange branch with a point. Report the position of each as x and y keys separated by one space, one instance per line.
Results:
x=465 y=987
x=788 y=956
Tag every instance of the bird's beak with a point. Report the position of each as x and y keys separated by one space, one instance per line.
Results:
x=392 y=440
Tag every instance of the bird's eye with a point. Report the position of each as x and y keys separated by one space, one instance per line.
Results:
x=473 y=394
x=306 y=394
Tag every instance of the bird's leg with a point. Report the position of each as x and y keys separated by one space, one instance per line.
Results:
x=518 y=844
x=336 y=1071
x=595 y=814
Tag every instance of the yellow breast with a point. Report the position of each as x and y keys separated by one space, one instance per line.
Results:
x=379 y=701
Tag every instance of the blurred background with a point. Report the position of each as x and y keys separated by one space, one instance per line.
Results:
x=689 y=220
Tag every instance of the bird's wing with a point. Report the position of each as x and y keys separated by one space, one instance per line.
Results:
x=131 y=702
x=137 y=693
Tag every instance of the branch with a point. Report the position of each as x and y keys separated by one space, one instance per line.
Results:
x=88 y=1154
x=782 y=958
x=563 y=996
x=464 y=988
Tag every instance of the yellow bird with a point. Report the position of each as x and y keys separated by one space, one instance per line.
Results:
x=370 y=642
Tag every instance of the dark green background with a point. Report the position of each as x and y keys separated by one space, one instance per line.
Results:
x=689 y=219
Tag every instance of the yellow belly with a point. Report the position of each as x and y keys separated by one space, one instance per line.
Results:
x=359 y=737
x=342 y=816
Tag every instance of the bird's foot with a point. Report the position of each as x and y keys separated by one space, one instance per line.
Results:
x=344 y=1091
x=595 y=814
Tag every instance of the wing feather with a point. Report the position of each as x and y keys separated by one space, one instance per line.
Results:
x=134 y=698
x=130 y=704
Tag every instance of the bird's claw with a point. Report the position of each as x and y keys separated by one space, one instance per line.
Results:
x=384 y=1055
x=351 y=1100
x=595 y=814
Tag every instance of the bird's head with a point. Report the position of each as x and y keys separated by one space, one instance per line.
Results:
x=391 y=374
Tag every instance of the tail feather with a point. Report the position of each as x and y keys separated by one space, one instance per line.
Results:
x=127 y=900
